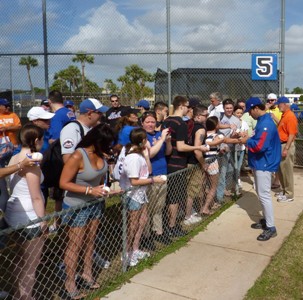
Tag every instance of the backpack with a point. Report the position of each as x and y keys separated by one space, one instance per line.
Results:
x=52 y=163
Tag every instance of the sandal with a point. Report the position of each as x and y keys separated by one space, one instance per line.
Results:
x=75 y=295
x=89 y=285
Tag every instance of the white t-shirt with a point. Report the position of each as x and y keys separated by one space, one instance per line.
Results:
x=216 y=111
x=134 y=166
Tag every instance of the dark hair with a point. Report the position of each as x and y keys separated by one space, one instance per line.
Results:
x=28 y=135
x=55 y=97
x=114 y=95
x=122 y=121
x=240 y=101
x=160 y=105
x=236 y=107
x=228 y=101
x=260 y=106
x=148 y=114
x=212 y=123
x=179 y=100
x=200 y=108
x=137 y=135
x=101 y=137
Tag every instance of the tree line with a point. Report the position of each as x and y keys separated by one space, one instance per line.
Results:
x=73 y=80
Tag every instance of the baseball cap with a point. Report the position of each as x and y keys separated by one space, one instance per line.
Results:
x=193 y=102
x=252 y=102
x=282 y=100
x=44 y=102
x=92 y=104
x=4 y=102
x=143 y=103
x=129 y=110
x=272 y=96
x=37 y=112
x=68 y=103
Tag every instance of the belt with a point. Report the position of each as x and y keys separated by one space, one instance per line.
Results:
x=283 y=142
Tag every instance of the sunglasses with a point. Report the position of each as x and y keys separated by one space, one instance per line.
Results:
x=271 y=100
x=114 y=100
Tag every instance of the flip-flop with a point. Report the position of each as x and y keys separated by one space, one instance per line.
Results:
x=92 y=284
x=275 y=186
x=75 y=295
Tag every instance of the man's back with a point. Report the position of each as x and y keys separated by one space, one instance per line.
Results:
x=62 y=116
x=177 y=160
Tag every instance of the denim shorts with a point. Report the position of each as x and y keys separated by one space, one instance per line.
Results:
x=131 y=204
x=82 y=216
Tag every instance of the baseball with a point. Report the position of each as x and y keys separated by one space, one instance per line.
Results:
x=221 y=136
x=37 y=156
x=106 y=188
x=163 y=177
x=207 y=146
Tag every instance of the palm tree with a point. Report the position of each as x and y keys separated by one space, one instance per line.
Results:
x=29 y=62
x=83 y=58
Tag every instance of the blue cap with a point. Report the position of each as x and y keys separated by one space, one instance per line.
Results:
x=92 y=104
x=143 y=103
x=68 y=103
x=282 y=100
x=252 y=102
x=4 y=102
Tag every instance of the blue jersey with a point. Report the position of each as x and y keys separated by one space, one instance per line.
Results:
x=264 y=148
x=62 y=116
x=124 y=133
x=158 y=162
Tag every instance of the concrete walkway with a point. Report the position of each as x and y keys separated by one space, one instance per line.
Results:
x=222 y=262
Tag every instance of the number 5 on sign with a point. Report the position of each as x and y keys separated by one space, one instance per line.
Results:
x=264 y=67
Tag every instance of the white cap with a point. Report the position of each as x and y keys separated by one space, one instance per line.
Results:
x=38 y=112
x=272 y=96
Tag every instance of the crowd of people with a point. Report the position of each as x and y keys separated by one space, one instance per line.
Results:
x=151 y=150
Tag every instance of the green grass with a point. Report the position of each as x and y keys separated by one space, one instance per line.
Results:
x=283 y=278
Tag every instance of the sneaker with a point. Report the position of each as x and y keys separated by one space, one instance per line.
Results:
x=279 y=194
x=267 y=234
x=260 y=225
x=284 y=198
x=139 y=254
x=239 y=183
x=192 y=220
x=162 y=238
x=100 y=261
x=131 y=259
x=175 y=232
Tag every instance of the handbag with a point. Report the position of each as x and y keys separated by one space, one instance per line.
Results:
x=6 y=148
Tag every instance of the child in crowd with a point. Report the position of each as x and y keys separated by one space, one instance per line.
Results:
x=213 y=140
x=240 y=148
x=135 y=172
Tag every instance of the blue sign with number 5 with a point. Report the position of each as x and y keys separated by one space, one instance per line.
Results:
x=264 y=67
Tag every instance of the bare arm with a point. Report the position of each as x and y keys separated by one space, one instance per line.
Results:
x=72 y=166
x=33 y=176
x=198 y=142
x=182 y=147
x=158 y=144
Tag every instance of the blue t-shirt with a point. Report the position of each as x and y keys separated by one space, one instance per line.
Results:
x=123 y=138
x=159 y=165
x=62 y=116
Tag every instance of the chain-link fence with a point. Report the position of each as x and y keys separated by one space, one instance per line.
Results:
x=42 y=41
x=97 y=242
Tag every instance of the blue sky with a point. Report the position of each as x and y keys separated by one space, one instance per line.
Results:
x=139 y=25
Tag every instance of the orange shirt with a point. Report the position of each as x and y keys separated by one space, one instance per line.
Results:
x=7 y=120
x=287 y=125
